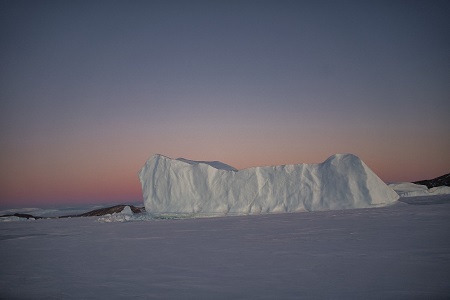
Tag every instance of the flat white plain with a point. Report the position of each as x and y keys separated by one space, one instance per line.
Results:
x=397 y=252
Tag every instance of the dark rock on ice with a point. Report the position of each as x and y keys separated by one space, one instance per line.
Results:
x=27 y=216
x=438 y=181
x=108 y=210
x=92 y=213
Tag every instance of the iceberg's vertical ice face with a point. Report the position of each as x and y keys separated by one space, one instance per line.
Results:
x=182 y=186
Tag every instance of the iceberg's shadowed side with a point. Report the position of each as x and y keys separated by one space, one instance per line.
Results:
x=179 y=186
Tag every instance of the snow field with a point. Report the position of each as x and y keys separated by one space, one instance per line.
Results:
x=400 y=251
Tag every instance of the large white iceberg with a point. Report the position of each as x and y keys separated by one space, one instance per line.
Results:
x=180 y=186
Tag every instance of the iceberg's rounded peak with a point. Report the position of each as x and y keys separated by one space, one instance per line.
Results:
x=157 y=156
x=347 y=159
x=343 y=156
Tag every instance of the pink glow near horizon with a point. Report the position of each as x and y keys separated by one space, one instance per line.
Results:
x=109 y=174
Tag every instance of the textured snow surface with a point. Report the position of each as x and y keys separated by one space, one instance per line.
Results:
x=179 y=186
x=401 y=251
x=407 y=189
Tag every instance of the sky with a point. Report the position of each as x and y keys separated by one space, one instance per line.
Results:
x=89 y=90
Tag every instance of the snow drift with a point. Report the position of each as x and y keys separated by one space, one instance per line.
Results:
x=180 y=186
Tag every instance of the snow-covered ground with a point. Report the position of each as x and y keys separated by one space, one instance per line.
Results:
x=400 y=251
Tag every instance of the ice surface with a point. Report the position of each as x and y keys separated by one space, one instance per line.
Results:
x=396 y=252
x=407 y=189
x=182 y=186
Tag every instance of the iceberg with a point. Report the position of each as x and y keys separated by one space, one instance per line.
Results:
x=193 y=188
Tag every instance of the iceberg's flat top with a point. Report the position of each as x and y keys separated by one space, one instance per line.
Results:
x=215 y=164
x=223 y=166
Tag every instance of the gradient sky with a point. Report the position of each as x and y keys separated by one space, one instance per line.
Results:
x=90 y=89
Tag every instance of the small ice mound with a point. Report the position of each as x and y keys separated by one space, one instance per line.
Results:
x=407 y=189
x=198 y=188
x=126 y=215
x=440 y=190
x=127 y=211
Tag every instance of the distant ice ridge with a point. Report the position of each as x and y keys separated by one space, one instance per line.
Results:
x=13 y=218
x=179 y=186
x=407 y=189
